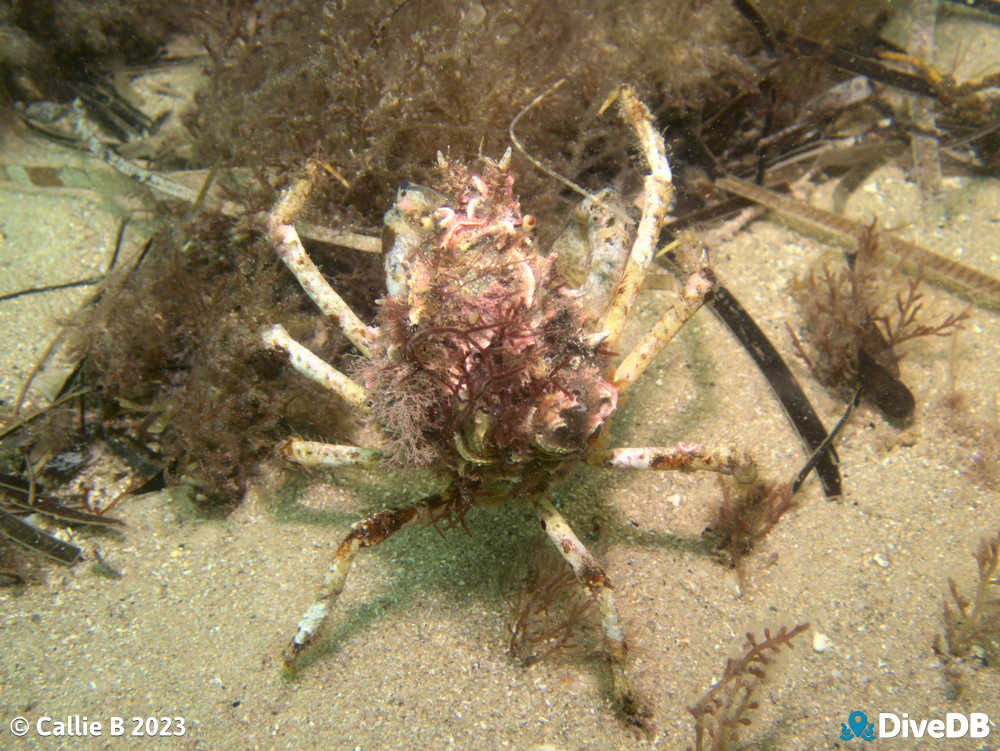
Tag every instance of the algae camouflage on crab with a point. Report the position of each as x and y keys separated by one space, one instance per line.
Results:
x=488 y=368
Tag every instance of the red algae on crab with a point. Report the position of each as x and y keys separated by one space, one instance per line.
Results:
x=481 y=336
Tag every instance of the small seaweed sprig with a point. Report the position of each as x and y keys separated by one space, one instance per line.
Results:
x=745 y=515
x=906 y=321
x=723 y=709
x=552 y=613
x=975 y=624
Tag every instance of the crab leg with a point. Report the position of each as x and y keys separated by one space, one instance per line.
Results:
x=684 y=457
x=366 y=533
x=699 y=285
x=592 y=577
x=316 y=454
x=314 y=368
x=289 y=248
x=657 y=191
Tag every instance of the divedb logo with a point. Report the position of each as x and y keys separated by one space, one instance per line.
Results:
x=892 y=725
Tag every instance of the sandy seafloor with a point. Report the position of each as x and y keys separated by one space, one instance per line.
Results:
x=416 y=655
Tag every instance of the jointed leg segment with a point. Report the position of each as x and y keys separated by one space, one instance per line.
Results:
x=317 y=454
x=699 y=285
x=315 y=368
x=590 y=575
x=289 y=248
x=684 y=457
x=657 y=192
x=364 y=534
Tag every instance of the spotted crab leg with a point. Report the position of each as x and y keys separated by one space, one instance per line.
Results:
x=315 y=368
x=592 y=577
x=289 y=248
x=699 y=285
x=316 y=454
x=683 y=457
x=366 y=533
x=657 y=191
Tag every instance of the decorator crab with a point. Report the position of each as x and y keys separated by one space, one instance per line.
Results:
x=488 y=366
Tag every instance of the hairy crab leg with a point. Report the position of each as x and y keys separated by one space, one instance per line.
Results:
x=315 y=368
x=366 y=533
x=592 y=577
x=316 y=454
x=683 y=457
x=289 y=248
x=657 y=191
x=699 y=286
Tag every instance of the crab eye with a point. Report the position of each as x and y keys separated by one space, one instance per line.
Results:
x=407 y=199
